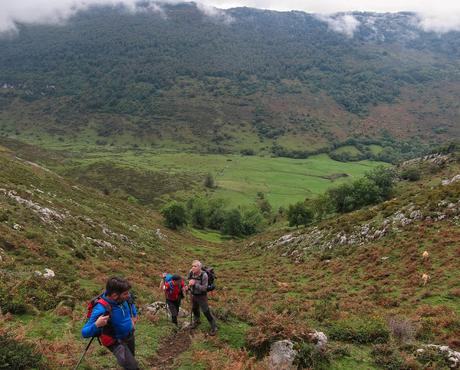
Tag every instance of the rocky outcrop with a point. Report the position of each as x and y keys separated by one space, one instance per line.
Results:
x=160 y=235
x=46 y=214
x=453 y=180
x=296 y=245
x=452 y=357
x=123 y=238
x=102 y=243
x=47 y=274
x=437 y=159
x=319 y=339
x=161 y=307
x=282 y=356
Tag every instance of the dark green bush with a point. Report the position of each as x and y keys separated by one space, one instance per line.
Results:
x=299 y=214
x=359 y=330
x=40 y=292
x=233 y=223
x=411 y=174
x=175 y=215
x=388 y=357
x=17 y=356
x=79 y=253
x=11 y=304
x=209 y=181
x=4 y=216
x=324 y=309
x=310 y=357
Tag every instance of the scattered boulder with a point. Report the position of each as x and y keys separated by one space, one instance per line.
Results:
x=320 y=339
x=160 y=235
x=102 y=243
x=115 y=235
x=156 y=307
x=282 y=356
x=453 y=180
x=48 y=274
x=416 y=215
x=452 y=356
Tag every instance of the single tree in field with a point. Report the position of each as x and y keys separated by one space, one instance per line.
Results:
x=209 y=181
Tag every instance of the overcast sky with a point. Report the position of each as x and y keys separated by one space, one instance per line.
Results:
x=439 y=16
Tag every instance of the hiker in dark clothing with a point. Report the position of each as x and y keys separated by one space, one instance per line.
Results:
x=198 y=286
x=112 y=320
x=174 y=292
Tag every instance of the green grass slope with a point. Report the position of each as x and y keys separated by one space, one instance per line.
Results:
x=366 y=294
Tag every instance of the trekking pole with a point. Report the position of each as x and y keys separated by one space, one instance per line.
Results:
x=84 y=353
x=191 y=309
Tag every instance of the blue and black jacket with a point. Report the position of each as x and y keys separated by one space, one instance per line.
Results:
x=121 y=325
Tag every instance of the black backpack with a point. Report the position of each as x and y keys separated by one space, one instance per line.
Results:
x=211 y=278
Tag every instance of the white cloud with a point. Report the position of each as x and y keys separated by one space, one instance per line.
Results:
x=215 y=13
x=439 y=16
x=47 y=11
x=345 y=23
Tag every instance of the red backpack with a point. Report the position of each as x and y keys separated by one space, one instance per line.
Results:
x=174 y=292
x=106 y=338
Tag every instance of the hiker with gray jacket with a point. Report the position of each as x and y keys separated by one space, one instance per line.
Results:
x=198 y=287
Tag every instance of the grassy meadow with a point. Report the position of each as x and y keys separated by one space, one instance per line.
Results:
x=238 y=178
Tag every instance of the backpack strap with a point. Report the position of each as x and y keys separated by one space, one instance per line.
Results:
x=107 y=338
x=130 y=302
x=106 y=305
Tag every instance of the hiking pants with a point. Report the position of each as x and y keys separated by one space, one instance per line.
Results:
x=173 y=307
x=201 y=302
x=123 y=351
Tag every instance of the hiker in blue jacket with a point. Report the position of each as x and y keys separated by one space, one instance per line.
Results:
x=112 y=319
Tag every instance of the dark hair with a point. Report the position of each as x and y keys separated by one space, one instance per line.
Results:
x=117 y=285
x=176 y=277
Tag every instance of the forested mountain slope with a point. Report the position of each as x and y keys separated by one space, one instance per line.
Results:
x=231 y=80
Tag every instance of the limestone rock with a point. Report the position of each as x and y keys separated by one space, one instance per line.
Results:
x=452 y=356
x=320 y=339
x=282 y=355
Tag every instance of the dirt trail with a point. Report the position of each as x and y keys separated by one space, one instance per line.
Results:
x=170 y=348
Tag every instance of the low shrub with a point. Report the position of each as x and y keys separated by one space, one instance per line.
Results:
x=18 y=356
x=269 y=328
x=324 y=309
x=432 y=358
x=359 y=330
x=40 y=292
x=411 y=174
x=388 y=357
x=402 y=329
x=11 y=304
x=310 y=357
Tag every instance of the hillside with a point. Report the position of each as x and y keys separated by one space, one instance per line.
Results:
x=242 y=79
x=362 y=288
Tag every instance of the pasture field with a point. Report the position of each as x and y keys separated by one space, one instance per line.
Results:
x=239 y=178
x=161 y=174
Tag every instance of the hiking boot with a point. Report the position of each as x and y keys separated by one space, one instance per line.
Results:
x=195 y=324
x=213 y=331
